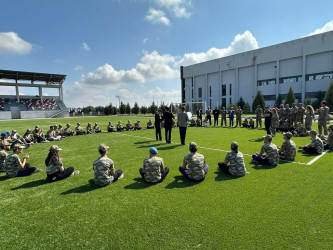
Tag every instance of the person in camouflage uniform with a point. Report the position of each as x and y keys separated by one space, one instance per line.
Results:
x=3 y=154
x=224 y=117
x=153 y=169
x=209 y=115
x=129 y=126
x=16 y=137
x=288 y=148
x=328 y=140
x=137 y=125
x=300 y=130
x=258 y=112
x=29 y=137
x=199 y=122
x=60 y=131
x=55 y=170
x=103 y=167
x=120 y=127
x=79 y=129
x=251 y=123
x=51 y=135
x=274 y=122
x=271 y=150
x=292 y=115
x=97 y=128
x=38 y=134
x=309 y=116
x=194 y=165
x=68 y=131
x=110 y=127
x=150 y=124
x=192 y=123
x=316 y=145
x=324 y=113
x=300 y=113
x=286 y=112
x=239 y=112
x=13 y=165
x=89 y=129
x=245 y=123
x=236 y=159
x=281 y=112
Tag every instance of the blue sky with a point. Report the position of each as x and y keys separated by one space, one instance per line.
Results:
x=133 y=48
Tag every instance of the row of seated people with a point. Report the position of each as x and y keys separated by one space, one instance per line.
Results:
x=3 y=102
x=38 y=104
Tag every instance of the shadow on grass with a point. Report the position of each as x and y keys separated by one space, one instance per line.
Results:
x=139 y=184
x=143 y=142
x=171 y=146
x=223 y=177
x=82 y=189
x=151 y=145
x=32 y=184
x=259 y=139
x=259 y=166
x=181 y=182
x=3 y=178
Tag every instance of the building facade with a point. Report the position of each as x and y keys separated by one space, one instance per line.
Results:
x=304 y=64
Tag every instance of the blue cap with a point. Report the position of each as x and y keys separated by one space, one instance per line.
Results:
x=153 y=150
x=8 y=132
x=3 y=134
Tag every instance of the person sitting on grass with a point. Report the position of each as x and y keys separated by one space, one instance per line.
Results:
x=129 y=126
x=300 y=130
x=194 y=165
x=137 y=126
x=245 y=123
x=288 y=149
x=4 y=148
x=205 y=122
x=13 y=165
x=110 y=127
x=79 y=129
x=103 y=167
x=328 y=140
x=68 y=131
x=236 y=159
x=251 y=123
x=199 y=123
x=55 y=171
x=89 y=129
x=153 y=169
x=150 y=124
x=39 y=135
x=60 y=131
x=120 y=127
x=271 y=150
x=29 y=137
x=96 y=128
x=192 y=123
x=51 y=135
x=316 y=145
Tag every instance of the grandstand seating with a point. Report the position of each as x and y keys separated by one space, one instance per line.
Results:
x=37 y=104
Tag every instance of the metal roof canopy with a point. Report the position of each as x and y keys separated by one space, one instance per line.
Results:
x=49 y=79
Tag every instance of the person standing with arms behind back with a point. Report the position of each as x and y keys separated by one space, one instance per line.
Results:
x=324 y=113
x=158 y=125
x=182 y=124
x=209 y=115
x=231 y=113
x=168 y=119
x=216 y=113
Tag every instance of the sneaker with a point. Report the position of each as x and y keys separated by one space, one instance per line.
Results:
x=38 y=170
x=76 y=172
x=122 y=176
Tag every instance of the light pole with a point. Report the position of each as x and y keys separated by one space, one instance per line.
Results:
x=119 y=100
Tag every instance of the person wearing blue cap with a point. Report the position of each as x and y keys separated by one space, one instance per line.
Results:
x=153 y=170
x=4 y=140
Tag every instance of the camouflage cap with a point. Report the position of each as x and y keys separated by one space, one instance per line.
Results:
x=268 y=138
x=78 y=123
x=13 y=131
x=193 y=145
x=288 y=135
x=68 y=124
x=313 y=132
x=17 y=146
x=28 y=130
x=54 y=149
x=103 y=148
x=234 y=145
x=60 y=125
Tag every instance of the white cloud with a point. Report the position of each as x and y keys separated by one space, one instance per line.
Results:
x=327 y=27
x=242 y=42
x=179 y=8
x=78 y=67
x=145 y=40
x=85 y=46
x=11 y=43
x=157 y=17
x=58 y=60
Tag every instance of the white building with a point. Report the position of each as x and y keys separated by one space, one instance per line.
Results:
x=304 y=64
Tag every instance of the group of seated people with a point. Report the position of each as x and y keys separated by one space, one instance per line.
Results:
x=3 y=102
x=119 y=127
x=38 y=104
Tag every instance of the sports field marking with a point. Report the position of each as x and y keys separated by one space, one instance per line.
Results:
x=226 y=151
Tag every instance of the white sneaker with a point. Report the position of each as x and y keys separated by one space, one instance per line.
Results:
x=38 y=170
x=122 y=176
x=76 y=172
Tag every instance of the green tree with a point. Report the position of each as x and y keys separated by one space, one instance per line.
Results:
x=246 y=108
x=258 y=100
x=307 y=101
x=136 y=108
x=290 y=98
x=278 y=101
x=232 y=105
x=152 y=108
x=241 y=103
x=122 y=108
x=114 y=110
x=143 y=110
x=99 y=109
x=329 y=96
x=128 y=108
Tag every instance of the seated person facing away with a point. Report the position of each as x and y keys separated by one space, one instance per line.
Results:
x=55 y=171
x=245 y=123
x=79 y=129
x=96 y=128
x=104 y=169
x=137 y=125
x=199 y=123
x=120 y=127
x=129 y=126
x=68 y=131
x=110 y=127
x=51 y=135
x=13 y=165
x=300 y=130
x=89 y=129
x=271 y=150
x=153 y=168
x=328 y=140
x=192 y=124
x=4 y=148
x=251 y=123
x=150 y=124
x=288 y=148
x=316 y=145
x=236 y=159
x=194 y=165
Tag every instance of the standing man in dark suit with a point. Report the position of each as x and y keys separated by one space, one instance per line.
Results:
x=182 y=124
x=199 y=114
x=216 y=113
x=268 y=119
x=158 y=125
x=168 y=119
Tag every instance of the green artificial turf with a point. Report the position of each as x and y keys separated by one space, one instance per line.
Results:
x=288 y=206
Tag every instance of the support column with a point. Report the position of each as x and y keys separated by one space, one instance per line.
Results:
x=207 y=92
x=237 y=85
x=277 y=79
x=303 y=77
x=17 y=94
x=40 y=90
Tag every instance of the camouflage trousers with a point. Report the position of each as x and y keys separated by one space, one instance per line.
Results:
x=258 y=121
x=321 y=126
x=224 y=119
x=238 y=121
x=308 y=125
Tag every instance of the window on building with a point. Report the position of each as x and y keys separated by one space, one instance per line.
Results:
x=199 y=92
x=210 y=91
x=266 y=82
x=319 y=76
x=224 y=90
x=192 y=93
x=230 y=100
x=230 y=89
x=224 y=102
x=210 y=102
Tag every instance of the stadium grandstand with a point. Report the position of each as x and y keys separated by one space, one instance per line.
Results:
x=31 y=106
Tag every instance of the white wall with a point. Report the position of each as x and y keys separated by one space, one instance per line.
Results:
x=291 y=67
x=317 y=63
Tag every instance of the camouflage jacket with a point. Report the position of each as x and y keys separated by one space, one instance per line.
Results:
x=3 y=155
x=102 y=167
x=153 y=167
x=318 y=144
x=12 y=165
x=271 y=151
x=195 y=163
x=53 y=166
x=237 y=165
x=289 y=150
x=323 y=115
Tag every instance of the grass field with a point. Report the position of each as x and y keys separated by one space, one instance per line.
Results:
x=288 y=206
